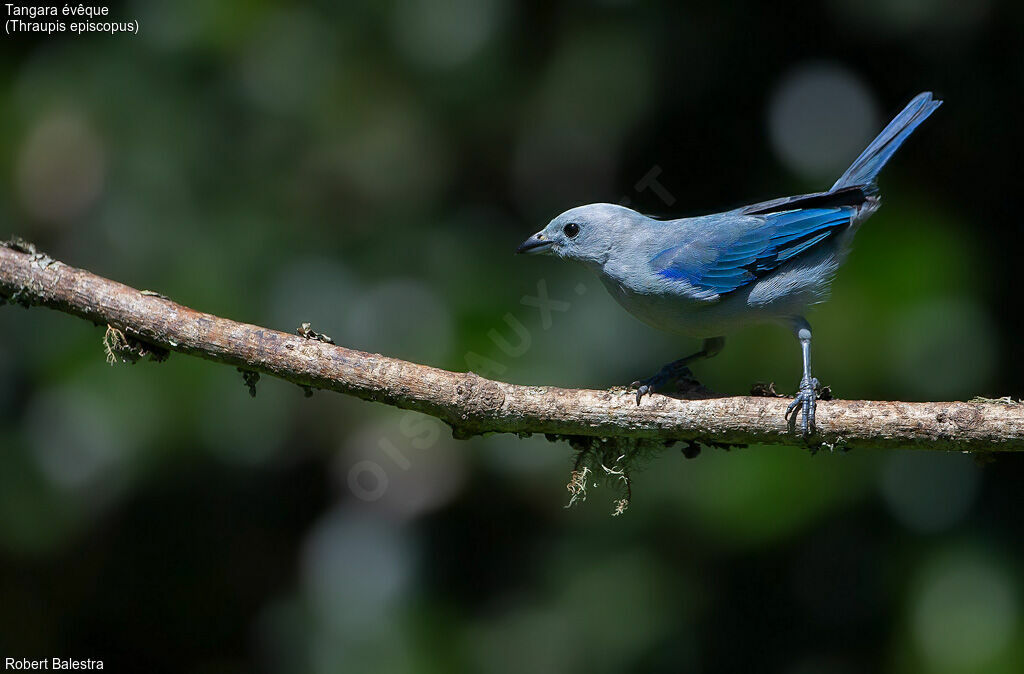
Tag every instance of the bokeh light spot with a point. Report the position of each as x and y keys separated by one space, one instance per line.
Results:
x=965 y=614
x=820 y=118
x=60 y=168
x=444 y=33
x=354 y=568
x=288 y=62
x=407 y=467
x=73 y=438
x=943 y=348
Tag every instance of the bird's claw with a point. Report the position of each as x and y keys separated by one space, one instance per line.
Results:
x=642 y=390
x=805 y=402
x=665 y=376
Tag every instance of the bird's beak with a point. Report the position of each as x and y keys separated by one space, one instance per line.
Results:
x=537 y=243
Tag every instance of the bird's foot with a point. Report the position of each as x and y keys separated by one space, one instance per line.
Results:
x=805 y=402
x=672 y=373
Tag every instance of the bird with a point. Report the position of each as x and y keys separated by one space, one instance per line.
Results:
x=711 y=275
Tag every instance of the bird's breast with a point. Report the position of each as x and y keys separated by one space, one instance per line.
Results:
x=675 y=313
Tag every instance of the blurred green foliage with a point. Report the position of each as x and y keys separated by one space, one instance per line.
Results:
x=369 y=167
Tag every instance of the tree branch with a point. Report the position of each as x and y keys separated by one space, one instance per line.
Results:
x=141 y=323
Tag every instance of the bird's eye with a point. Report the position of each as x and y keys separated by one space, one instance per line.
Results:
x=571 y=230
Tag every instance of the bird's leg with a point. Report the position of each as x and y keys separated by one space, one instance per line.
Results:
x=676 y=370
x=806 y=399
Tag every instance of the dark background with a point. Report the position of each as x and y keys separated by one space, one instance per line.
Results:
x=369 y=167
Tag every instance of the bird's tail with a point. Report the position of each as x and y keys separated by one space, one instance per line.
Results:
x=865 y=168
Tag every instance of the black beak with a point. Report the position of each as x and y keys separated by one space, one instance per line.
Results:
x=535 y=244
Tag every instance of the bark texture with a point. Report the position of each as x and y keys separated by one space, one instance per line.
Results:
x=144 y=323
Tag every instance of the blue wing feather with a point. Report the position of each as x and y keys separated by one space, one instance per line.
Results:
x=723 y=264
x=729 y=250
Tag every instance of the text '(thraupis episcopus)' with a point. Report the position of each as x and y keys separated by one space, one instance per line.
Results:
x=67 y=19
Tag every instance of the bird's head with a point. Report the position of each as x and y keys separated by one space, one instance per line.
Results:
x=585 y=233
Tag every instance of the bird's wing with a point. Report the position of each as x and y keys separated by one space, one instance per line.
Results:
x=737 y=249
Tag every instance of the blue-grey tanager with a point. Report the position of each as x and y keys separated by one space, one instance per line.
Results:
x=709 y=275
